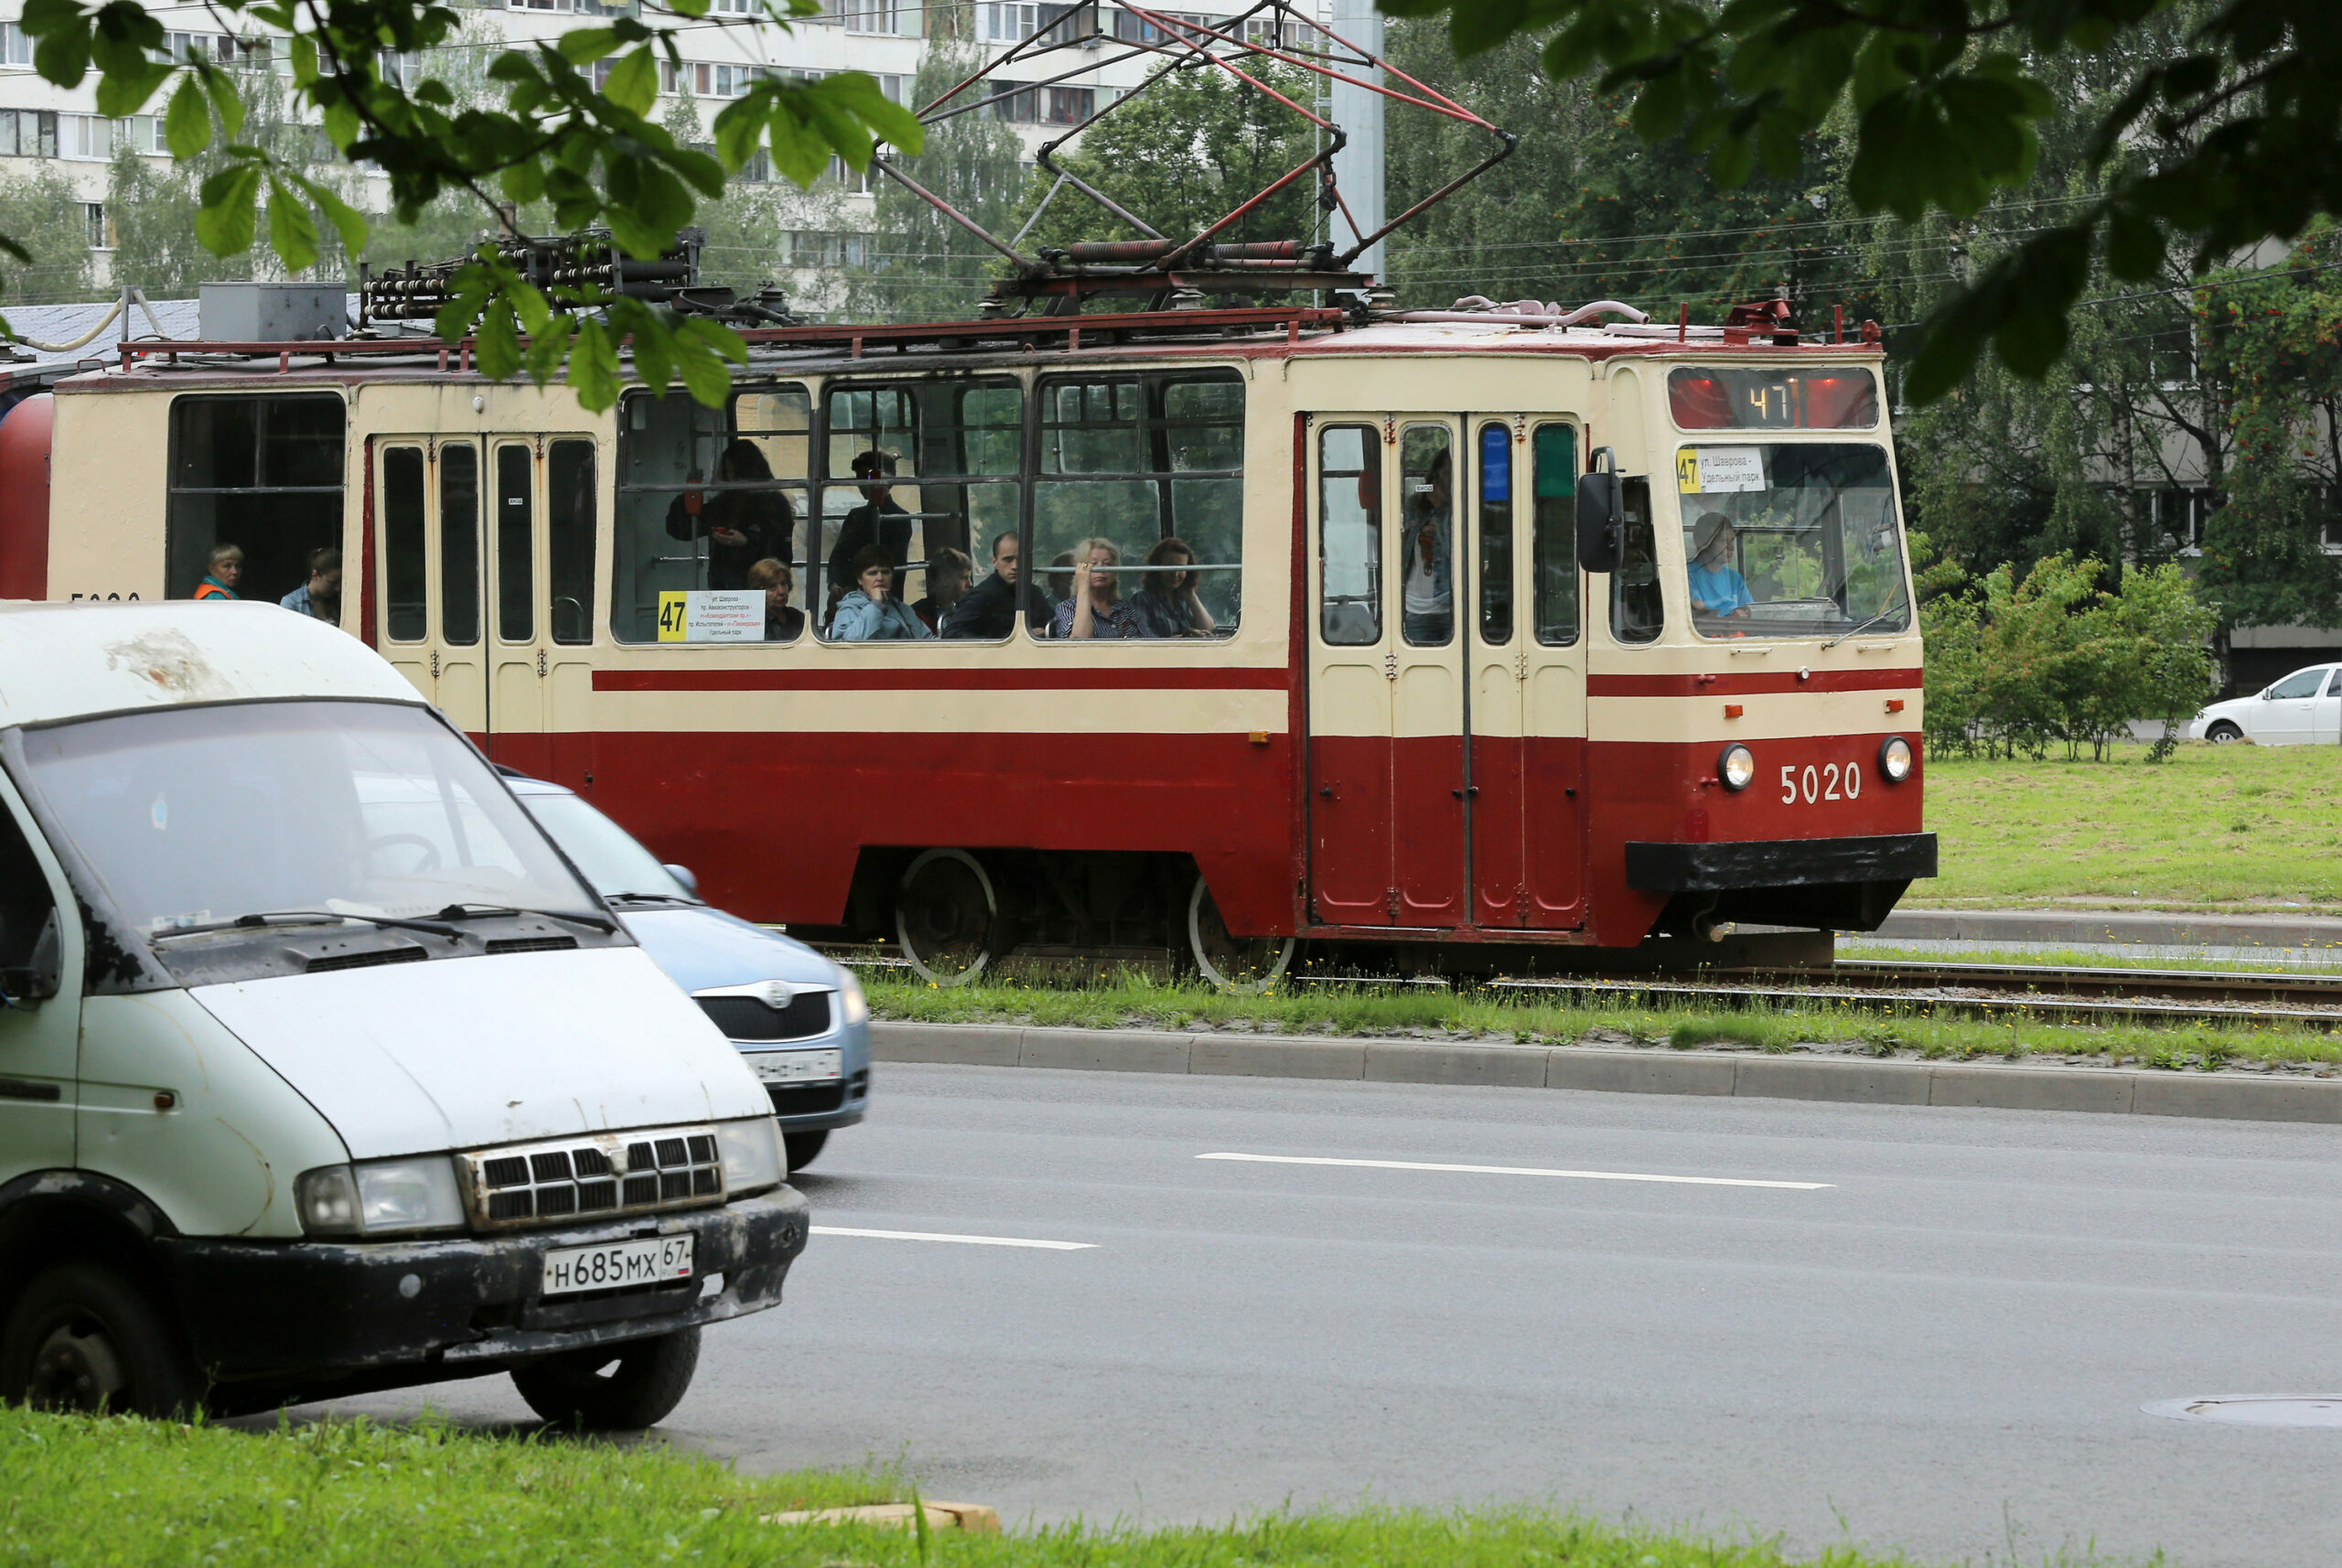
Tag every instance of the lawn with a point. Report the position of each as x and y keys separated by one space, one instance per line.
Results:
x=2230 y=827
x=1120 y=1001
x=114 y=1494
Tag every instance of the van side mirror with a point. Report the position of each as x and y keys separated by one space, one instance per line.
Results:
x=42 y=975
x=1600 y=511
x=682 y=873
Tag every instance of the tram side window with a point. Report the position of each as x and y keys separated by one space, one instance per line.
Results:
x=1142 y=474
x=1427 y=536
x=404 y=573
x=1349 y=536
x=459 y=544
x=1553 y=453
x=1638 y=608
x=263 y=474
x=515 y=547
x=1496 y=534
x=703 y=497
x=929 y=473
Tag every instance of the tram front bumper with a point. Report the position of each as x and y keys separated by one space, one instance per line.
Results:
x=1778 y=862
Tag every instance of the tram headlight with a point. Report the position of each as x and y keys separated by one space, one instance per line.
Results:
x=1737 y=767
x=1894 y=760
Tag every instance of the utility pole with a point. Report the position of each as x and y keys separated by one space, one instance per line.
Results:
x=1358 y=167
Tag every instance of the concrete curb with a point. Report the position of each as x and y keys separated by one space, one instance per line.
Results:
x=2011 y=1086
x=2092 y=927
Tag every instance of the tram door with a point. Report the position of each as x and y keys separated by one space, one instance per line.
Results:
x=1387 y=785
x=1526 y=694
x=488 y=584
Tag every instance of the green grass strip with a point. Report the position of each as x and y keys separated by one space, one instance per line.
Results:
x=117 y=1493
x=1135 y=1002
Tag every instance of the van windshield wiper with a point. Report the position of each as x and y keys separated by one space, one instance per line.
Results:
x=303 y=917
x=470 y=912
x=648 y=899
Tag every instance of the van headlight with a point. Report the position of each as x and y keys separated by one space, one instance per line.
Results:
x=1737 y=767
x=379 y=1198
x=854 y=1007
x=753 y=1161
x=1894 y=760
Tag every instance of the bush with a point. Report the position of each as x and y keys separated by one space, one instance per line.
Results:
x=2018 y=664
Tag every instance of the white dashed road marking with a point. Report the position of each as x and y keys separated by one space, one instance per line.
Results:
x=1520 y=1170
x=963 y=1240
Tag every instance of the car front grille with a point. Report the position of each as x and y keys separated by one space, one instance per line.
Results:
x=746 y=1017
x=597 y=1176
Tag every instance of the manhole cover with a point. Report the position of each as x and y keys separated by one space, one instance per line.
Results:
x=2254 y=1409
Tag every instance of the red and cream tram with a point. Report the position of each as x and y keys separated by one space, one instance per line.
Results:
x=1413 y=680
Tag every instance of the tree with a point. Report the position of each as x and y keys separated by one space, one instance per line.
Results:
x=2242 y=111
x=590 y=152
x=922 y=266
x=44 y=207
x=1185 y=152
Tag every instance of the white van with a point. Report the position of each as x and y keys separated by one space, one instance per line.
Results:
x=321 y=1071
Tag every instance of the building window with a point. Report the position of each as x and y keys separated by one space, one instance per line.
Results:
x=100 y=232
x=398 y=69
x=1012 y=101
x=872 y=15
x=86 y=137
x=2178 y=515
x=1071 y=105
x=28 y=133
x=15 y=47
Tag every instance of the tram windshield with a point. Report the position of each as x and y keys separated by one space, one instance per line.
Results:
x=1792 y=540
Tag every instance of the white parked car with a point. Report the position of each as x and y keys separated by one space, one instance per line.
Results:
x=2303 y=709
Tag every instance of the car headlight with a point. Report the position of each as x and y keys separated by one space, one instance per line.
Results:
x=753 y=1161
x=1894 y=760
x=854 y=1007
x=379 y=1198
x=1737 y=767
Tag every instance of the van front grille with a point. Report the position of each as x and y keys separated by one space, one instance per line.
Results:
x=606 y=1175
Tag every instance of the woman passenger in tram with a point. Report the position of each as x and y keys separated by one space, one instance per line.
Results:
x=741 y=527
x=1166 y=605
x=784 y=622
x=869 y=612
x=1097 y=608
x=1718 y=589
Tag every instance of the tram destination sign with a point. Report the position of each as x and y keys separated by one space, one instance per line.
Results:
x=712 y=615
x=1734 y=397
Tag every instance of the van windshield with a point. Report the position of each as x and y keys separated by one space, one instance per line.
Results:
x=192 y=816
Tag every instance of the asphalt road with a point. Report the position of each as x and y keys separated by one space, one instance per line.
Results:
x=1944 y=1348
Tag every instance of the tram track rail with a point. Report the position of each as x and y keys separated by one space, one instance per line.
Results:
x=2037 y=993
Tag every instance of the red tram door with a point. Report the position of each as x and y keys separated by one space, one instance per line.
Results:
x=1386 y=680
x=1526 y=696
x=1446 y=681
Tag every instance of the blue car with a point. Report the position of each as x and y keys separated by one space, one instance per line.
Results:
x=801 y=1020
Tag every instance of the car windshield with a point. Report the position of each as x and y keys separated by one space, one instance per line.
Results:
x=1792 y=540
x=191 y=816
x=612 y=861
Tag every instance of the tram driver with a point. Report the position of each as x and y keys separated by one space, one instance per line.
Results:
x=1718 y=589
x=989 y=611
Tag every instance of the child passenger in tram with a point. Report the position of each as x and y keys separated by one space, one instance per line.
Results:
x=870 y=612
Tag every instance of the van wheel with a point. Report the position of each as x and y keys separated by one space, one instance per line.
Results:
x=804 y=1147
x=1244 y=965
x=2221 y=734
x=633 y=1385
x=83 y=1338
x=947 y=917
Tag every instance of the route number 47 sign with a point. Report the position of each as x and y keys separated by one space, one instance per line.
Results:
x=1710 y=470
x=714 y=615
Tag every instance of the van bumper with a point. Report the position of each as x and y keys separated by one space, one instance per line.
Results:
x=277 y=1322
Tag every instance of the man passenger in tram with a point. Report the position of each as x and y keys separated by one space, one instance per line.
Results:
x=741 y=527
x=1427 y=598
x=876 y=522
x=1097 y=608
x=1718 y=589
x=990 y=609
x=222 y=572
x=947 y=573
x=320 y=596
x=1167 y=604
x=871 y=612
x=784 y=622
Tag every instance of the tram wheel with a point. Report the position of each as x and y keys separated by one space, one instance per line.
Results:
x=1243 y=964
x=947 y=917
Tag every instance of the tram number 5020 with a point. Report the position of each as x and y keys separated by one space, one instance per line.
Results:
x=1831 y=781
